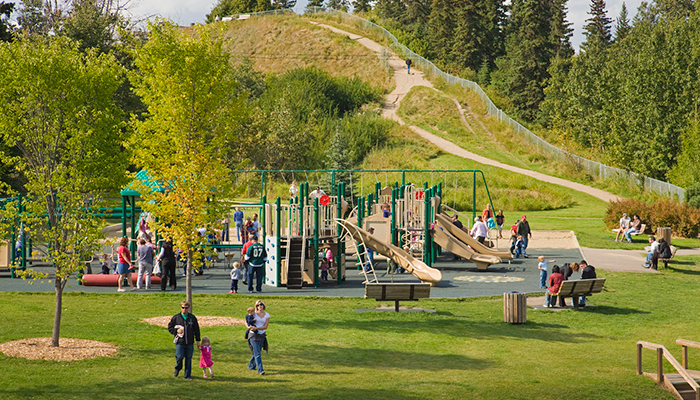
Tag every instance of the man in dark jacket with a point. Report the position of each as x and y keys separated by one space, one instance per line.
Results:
x=587 y=272
x=523 y=229
x=185 y=328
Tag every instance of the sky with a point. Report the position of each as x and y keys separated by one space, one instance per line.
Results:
x=186 y=12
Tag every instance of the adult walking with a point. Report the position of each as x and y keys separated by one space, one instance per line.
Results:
x=256 y=257
x=167 y=265
x=523 y=230
x=124 y=266
x=185 y=328
x=257 y=338
x=408 y=65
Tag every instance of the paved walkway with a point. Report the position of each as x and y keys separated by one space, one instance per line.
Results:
x=404 y=83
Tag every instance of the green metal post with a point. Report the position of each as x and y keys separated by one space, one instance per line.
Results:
x=278 y=234
x=263 y=218
x=426 y=230
x=403 y=177
x=262 y=187
x=369 y=204
x=377 y=191
x=360 y=211
x=339 y=215
x=123 y=216
x=316 y=222
x=332 y=182
x=474 y=195
x=20 y=208
x=394 y=192
x=132 y=243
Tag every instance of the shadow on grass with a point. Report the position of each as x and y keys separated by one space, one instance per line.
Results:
x=608 y=310
x=377 y=358
x=218 y=388
x=461 y=328
x=681 y=267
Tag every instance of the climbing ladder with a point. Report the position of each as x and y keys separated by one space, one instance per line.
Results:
x=294 y=254
x=352 y=233
x=684 y=383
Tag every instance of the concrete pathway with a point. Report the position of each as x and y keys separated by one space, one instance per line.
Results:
x=404 y=83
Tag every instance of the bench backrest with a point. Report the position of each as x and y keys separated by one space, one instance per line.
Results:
x=397 y=291
x=581 y=287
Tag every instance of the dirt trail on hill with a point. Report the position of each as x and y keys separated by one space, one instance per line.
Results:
x=405 y=82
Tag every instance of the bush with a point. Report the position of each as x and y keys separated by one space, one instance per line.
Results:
x=692 y=195
x=683 y=220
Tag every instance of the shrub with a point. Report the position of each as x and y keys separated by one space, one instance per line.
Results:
x=683 y=220
x=692 y=195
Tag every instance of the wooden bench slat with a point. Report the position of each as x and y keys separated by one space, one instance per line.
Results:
x=581 y=287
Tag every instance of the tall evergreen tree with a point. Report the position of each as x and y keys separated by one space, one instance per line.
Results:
x=622 y=24
x=466 y=50
x=522 y=72
x=361 y=6
x=417 y=12
x=597 y=28
x=441 y=26
x=561 y=31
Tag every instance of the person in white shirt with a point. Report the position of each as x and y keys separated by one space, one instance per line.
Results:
x=317 y=193
x=479 y=230
x=624 y=224
x=651 y=249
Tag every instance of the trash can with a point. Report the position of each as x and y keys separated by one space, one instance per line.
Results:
x=664 y=232
x=515 y=307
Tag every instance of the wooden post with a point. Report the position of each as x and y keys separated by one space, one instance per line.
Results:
x=660 y=365
x=639 y=358
x=685 y=357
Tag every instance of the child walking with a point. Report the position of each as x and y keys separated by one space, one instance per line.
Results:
x=235 y=277
x=205 y=357
x=542 y=266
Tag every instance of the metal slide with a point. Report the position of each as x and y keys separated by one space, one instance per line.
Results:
x=446 y=222
x=418 y=268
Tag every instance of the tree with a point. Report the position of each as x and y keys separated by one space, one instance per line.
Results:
x=597 y=28
x=622 y=24
x=57 y=108
x=361 y=6
x=186 y=80
x=685 y=173
x=93 y=23
x=441 y=26
x=283 y=4
x=225 y=8
x=5 y=28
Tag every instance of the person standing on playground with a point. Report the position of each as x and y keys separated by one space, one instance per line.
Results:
x=256 y=225
x=487 y=213
x=256 y=257
x=235 y=277
x=257 y=339
x=500 y=220
x=145 y=254
x=408 y=65
x=293 y=190
x=542 y=266
x=184 y=346
x=370 y=254
x=479 y=230
x=226 y=223
x=124 y=266
x=523 y=229
x=238 y=222
x=167 y=265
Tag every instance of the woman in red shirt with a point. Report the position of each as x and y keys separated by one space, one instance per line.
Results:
x=124 y=265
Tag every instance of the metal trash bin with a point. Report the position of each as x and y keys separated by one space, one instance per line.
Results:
x=515 y=307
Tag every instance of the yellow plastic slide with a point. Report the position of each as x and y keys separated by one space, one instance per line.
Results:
x=418 y=268
x=450 y=243
x=446 y=222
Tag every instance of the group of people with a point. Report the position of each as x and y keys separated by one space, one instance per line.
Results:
x=186 y=333
x=658 y=248
x=628 y=227
x=559 y=275
x=520 y=235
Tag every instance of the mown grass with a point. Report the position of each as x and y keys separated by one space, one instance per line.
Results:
x=321 y=348
x=282 y=43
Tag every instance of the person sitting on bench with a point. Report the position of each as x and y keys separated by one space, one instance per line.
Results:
x=624 y=223
x=634 y=228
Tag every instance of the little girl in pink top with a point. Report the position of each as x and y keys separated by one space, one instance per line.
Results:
x=205 y=357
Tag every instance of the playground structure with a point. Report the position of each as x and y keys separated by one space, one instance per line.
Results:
x=294 y=232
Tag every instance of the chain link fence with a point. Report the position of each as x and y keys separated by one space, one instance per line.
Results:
x=593 y=168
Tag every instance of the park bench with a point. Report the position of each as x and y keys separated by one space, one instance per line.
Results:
x=642 y=228
x=397 y=292
x=666 y=260
x=581 y=287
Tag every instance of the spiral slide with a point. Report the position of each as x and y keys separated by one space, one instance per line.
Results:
x=418 y=268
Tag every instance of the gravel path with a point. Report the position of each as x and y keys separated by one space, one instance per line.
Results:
x=404 y=83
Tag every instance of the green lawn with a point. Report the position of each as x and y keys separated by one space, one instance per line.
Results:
x=321 y=348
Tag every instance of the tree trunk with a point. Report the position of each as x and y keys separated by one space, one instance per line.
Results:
x=189 y=279
x=57 y=313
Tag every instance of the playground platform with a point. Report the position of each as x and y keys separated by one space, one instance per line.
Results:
x=460 y=279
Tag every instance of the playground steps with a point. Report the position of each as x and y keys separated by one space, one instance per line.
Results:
x=295 y=279
x=678 y=385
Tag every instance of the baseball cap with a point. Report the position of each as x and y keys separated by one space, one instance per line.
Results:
x=624 y=215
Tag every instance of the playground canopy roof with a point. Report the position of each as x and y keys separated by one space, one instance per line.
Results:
x=142 y=177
